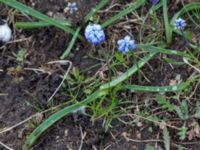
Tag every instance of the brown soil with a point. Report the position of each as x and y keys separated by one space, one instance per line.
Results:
x=23 y=91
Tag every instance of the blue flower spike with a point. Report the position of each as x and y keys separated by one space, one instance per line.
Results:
x=154 y=2
x=180 y=24
x=94 y=34
x=126 y=44
x=72 y=7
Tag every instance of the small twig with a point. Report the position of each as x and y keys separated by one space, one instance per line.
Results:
x=27 y=119
x=150 y=141
x=187 y=62
x=63 y=62
x=109 y=9
x=140 y=141
x=3 y=94
x=15 y=41
x=158 y=123
x=19 y=40
x=195 y=89
x=82 y=137
x=37 y=70
x=189 y=143
x=6 y=146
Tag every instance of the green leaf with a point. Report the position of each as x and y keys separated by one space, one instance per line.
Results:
x=140 y=88
x=30 y=11
x=183 y=110
x=151 y=48
x=96 y=9
x=197 y=114
x=122 y=13
x=166 y=21
x=161 y=100
x=128 y=73
x=185 y=9
x=149 y=147
x=188 y=35
x=71 y=44
x=182 y=133
x=39 y=24
x=173 y=62
x=59 y=115
x=21 y=55
x=154 y=8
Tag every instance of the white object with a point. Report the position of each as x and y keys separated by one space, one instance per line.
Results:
x=5 y=33
x=80 y=110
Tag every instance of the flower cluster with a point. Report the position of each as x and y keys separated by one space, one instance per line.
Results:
x=126 y=44
x=5 y=32
x=72 y=7
x=180 y=24
x=94 y=34
x=154 y=1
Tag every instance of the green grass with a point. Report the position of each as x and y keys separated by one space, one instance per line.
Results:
x=30 y=11
x=71 y=44
x=39 y=24
x=108 y=95
x=166 y=21
x=122 y=13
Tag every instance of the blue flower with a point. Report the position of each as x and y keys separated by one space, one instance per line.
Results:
x=94 y=34
x=154 y=1
x=72 y=7
x=126 y=44
x=180 y=23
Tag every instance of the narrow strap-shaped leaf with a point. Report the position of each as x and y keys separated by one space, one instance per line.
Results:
x=71 y=44
x=185 y=9
x=129 y=72
x=155 y=7
x=151 y=48
x=124 y=12
x=30 y=11
x=166 y=21
x=57 y=116
x=139 y=88
x=96 y=9
x=39 y=24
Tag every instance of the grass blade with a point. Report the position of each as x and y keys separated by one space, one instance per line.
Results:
x=32 y=25
x=71 y=44
x=96 y=9
x=185 y=9
x=151 y=48
x=140 y=88
x=129 y=72
x=59 y=115
x=166 y=21
x=123 y=13
x=155 y=7
x=30 y=11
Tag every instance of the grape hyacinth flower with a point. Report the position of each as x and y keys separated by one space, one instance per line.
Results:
x=72 y=7
x=94 y=34
x=126 y=44
x=5 y=32
x=180 y=24
x=154 y=1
